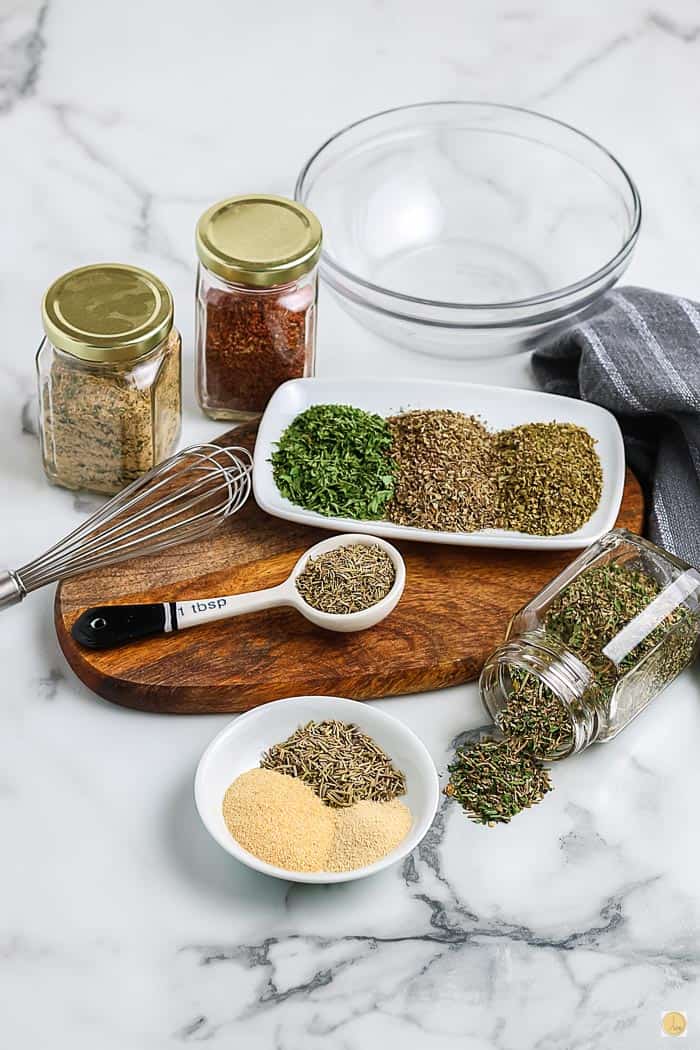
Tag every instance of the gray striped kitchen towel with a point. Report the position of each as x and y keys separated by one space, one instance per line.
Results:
x=640 y=358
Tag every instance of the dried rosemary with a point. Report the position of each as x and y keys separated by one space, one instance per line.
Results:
x=496 y=779
x=549 y=478
x=341 y=764
x=347 y=579
x=444 y=471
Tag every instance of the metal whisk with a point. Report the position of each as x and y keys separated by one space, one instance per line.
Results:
x=181 y=499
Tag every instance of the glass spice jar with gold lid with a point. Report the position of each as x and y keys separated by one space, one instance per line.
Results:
x=109 y=377
x=256 y=298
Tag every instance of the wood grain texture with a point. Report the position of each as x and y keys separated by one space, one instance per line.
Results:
x=454 y=611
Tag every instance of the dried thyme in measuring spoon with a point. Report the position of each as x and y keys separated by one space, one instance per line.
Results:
x=347 y=579
x=339 y=762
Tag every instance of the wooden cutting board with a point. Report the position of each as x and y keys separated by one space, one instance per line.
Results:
x=454 y=611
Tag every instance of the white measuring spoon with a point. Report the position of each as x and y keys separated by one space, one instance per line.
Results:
x=107 y=626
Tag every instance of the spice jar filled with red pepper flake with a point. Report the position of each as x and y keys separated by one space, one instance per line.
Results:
x=257 y=287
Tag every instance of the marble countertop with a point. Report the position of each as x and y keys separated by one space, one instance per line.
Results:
x=122 y=925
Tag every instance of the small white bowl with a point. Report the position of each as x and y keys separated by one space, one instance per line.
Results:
x=240 y=745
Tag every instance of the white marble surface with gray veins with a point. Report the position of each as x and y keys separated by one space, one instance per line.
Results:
x=122 y=925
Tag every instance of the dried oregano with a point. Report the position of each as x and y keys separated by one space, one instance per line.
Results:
x=549 y=478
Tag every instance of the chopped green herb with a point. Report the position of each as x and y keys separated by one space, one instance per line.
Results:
x=334 y=459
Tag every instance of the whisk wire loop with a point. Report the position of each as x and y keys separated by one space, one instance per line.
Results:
x=181 y=499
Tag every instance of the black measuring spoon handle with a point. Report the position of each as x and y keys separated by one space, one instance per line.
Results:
x=106 y=626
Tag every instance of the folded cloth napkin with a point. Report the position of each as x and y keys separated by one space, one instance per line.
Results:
x=640 y=358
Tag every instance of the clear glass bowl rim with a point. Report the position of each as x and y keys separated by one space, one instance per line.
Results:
x=537 y=300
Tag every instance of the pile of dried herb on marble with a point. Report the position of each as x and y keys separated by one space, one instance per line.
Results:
x=347 y=579
x=496 y=779
x=335 y=460
x=341 y=763
x=439 y=469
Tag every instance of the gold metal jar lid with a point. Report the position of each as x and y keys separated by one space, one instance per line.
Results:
x=259 y=240
x=107 y=312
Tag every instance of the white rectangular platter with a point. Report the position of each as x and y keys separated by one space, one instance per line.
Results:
x=498 y=407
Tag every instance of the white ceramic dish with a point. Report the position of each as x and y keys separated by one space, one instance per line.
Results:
x=239 y=746
x=499 y=407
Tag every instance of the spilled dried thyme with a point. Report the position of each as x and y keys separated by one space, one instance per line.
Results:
x=496 y=779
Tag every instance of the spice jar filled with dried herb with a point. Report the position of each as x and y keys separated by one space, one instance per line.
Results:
x=591 y=650
x=109 y=377
x=257 y=284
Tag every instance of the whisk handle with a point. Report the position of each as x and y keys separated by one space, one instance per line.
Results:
x=11 y=590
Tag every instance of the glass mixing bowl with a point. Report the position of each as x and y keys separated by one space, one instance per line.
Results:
x=466 y=229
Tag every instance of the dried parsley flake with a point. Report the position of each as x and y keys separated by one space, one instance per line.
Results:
x=334 y=459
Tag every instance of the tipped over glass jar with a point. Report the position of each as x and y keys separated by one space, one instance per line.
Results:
x=591 y=650
x=256 y=302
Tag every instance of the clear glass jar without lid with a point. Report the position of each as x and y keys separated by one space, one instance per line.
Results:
x=109 y=377
x=257 y=286
x=603 y=638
